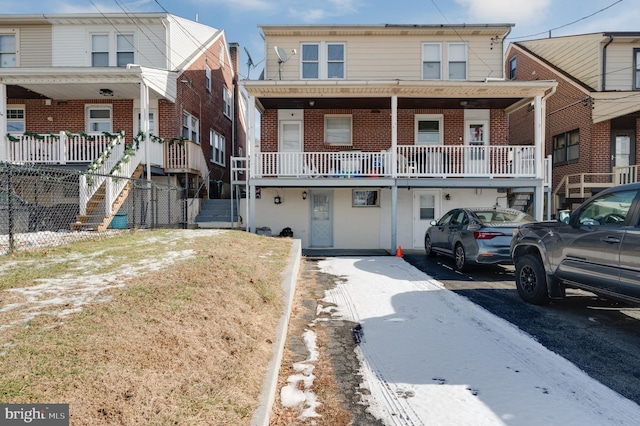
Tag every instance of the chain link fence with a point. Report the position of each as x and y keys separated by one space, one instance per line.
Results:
x=41 y=207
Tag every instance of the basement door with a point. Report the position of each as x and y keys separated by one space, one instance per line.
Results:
x=426 y=207
x=321 y=234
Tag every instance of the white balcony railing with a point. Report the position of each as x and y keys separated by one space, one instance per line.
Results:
x=409 y=161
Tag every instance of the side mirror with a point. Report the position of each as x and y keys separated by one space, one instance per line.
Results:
x=564 y=215
x=433 y=222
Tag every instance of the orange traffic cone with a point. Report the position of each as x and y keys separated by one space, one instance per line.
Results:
x=399 y=252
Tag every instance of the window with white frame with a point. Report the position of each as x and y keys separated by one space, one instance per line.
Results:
x=124 y=50
x=100 y=50
x=207 y=79
x=15 y=119
x=152 y=122
x=337 y=129
x=513 y=62
x=222 y=58
x=227 y=100
x=8 y=52
x=190 y=127
x=217 y=142
x=366 y=198
x=428 y=129
x=98 y=118
x=323 y=60
x=431 y=61
x=457 y=61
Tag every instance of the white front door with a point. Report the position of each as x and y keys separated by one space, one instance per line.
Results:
x=476 y=138
x=321 y=218
x=290 y=148
x=426 y=207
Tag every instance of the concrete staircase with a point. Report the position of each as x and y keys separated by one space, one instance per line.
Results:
x=218 y=213
x=521 y=201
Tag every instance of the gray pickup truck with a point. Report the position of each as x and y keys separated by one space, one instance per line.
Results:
x=596 y=247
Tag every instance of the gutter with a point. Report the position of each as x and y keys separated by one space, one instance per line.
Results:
x=604 y=63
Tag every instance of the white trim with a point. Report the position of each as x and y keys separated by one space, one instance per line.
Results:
x=88 y=120
x=466 y=61
x=330 y=116
x=423 y=60
x=16 y=34
x=429 y=117
x=323 y=60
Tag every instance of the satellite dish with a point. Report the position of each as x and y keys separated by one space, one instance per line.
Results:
x=282 y=55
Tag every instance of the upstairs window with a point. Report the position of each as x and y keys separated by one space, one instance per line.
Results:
x=222 y=58
x=125 y=50
x=512 y=68
x=431 y=61
x=207 y=79
x=100 y=50
x=566 y=147
x=227 y=100
x=457 y=61
x=337 y=129
x=217 y=142
x=8 y=53
x=15 y=119
x=636 y=67
x=323 y=61
x=98 y=118
x=190 y=127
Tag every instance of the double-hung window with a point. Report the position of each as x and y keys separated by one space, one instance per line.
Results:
x=15 y=119
x=636 y=69
x=428 y=129
x=431 y=61
x=190 y=127
x=323 y=60
x=566 y=147
x=337 y=129
x=217 y=142
x=125 y=50
x=207 y=79
x=457 y=61
x=227 y=99
x=100 y=50
x=8 y=53
x=513 y=68
x=98 y=118
x=111 y=49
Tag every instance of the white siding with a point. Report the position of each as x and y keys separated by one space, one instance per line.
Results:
x=187 y=39
x=72 y=44
x=35 y=46
x=579 y=56
x=620 y=66
x=378 y=57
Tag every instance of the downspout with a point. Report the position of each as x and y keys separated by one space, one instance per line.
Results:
x=604 y=63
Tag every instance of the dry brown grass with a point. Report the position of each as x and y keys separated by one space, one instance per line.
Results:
x=185 y=342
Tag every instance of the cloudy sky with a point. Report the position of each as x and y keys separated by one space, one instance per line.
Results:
x=240 y=18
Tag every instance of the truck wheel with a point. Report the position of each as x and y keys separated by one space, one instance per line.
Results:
x=531 y=280
x=428 y=248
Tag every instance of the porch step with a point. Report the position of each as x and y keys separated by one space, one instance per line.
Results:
x=521 y=201
x=217 y=211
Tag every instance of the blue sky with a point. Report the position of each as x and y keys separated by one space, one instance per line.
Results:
x=240 y=18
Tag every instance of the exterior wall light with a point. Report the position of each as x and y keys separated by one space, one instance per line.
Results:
x=304 y=195
x=277 y=200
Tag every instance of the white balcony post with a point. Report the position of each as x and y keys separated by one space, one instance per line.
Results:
x=108 y=196
x=394 y=136
x=4 y=152
x=62 y=148
x=538 y=192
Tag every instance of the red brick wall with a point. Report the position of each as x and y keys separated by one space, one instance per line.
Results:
x=565 y=111
x=372 y=129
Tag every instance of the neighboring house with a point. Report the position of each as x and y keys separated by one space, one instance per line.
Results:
x=593 y=120
x=70 y=84
x=369 y=132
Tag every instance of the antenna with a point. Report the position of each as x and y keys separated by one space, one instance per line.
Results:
x=250 y=63
x=282 y=58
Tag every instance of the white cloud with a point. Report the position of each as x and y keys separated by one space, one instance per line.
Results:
x=501 y=11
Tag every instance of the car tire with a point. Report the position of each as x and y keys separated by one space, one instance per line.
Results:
x=428 y=248
x=460 y=258
x=531 y=280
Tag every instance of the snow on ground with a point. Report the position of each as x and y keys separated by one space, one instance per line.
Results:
x=432 y=357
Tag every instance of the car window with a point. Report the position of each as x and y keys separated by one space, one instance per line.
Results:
x=607 y=210
x=493 y=216
x=445 y=219
x=458 y=218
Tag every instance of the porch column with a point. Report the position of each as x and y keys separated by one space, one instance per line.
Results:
x=144 y=124
x=394 y=219
x=4 y=142
x=394 y=136
x=251 y=169
x=538 y=136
